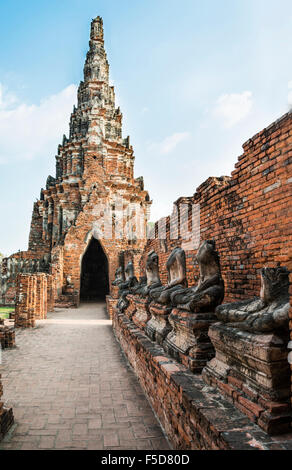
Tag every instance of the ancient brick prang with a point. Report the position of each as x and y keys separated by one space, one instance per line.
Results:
x=94 y=184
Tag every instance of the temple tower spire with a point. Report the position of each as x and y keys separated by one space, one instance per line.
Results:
x=96 y=65
x=96 y=31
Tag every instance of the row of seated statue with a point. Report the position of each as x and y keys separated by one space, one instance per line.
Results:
x=269 y=312
x=243 y=342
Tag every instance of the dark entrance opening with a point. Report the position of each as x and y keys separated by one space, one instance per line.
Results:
x=94 y=273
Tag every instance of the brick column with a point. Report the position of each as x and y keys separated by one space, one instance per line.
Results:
x=41 y=296
x=25 y=301
x=50 y=293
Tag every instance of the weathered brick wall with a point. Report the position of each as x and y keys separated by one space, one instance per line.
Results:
x=248 y=214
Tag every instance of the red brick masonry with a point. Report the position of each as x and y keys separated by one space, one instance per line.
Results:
x=34 y=298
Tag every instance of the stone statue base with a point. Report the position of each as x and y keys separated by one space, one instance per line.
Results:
x=158 y=327
x=114 y=292
x=188 y=341
x=131 y=309
x=142 y=315
x=110 y=305
x=252 y=370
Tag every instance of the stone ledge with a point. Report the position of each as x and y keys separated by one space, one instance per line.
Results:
x=193 y=415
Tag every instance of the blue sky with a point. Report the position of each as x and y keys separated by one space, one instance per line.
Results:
x=194 y=80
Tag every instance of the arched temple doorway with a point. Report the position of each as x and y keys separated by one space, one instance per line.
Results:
x=94 y=282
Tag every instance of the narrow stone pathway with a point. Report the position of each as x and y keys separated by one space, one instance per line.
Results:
x=71 y=388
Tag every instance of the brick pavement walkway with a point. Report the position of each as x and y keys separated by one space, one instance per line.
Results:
x=70 y=387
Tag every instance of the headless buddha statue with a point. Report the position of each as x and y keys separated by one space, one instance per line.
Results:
x=140 y=286
x=125 y=288
x=152 y=274
x=209 y=292
x=265 y=314
x=176 y=273
x=119 y=276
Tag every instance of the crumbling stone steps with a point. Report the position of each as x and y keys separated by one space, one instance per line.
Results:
x=70 y=387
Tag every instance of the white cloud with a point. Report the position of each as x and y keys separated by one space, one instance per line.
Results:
x=232 y=108
x=168 y=144
x=30 y=131
x=290 y=93
x=6 y=99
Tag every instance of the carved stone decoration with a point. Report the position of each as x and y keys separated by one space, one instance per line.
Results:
x=188 y=341
x=158 y=326
x=51 y=181
x=126 y=287
x=251 y=363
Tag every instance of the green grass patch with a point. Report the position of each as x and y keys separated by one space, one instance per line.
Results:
x=4 y=315
x=4 y=311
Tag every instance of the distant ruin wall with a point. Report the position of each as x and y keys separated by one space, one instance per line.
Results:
x=24 y=262
x=248 y=214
